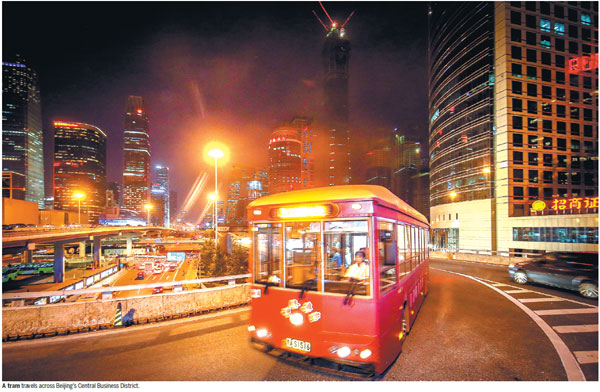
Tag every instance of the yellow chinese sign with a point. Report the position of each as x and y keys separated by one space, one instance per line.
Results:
x=568 y=203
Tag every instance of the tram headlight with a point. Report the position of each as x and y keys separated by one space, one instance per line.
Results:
x=251 y=328
x=261 y=333
x=297 y=319
x=366 y=353
x=343 y=352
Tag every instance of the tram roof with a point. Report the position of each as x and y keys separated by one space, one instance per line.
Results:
x=339 y=193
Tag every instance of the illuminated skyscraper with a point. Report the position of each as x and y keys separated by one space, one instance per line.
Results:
x=306 y=135
x=22 y=148
x=136 y=173
x=285 y=159
x=336 y=57
x=513 y=135
x=161 y=174
x=79 y=166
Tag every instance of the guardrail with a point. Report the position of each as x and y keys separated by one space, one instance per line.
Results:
x=65 y=318
x=482 y=256
x=113 y=289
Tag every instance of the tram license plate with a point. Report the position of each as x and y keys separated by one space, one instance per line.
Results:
x=297 y=344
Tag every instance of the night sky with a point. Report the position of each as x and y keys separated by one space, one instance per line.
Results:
x=215 y=70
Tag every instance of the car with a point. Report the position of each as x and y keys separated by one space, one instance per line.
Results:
x=157 y=290
x=9 y=274
x=577 y=271
x=141 y=275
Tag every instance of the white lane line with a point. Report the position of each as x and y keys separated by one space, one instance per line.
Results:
x=576 y=328
x=553 y=312
x=527 y=300
x=516 y=291
x=585 y=357
x=569 y=362
x=501 y=284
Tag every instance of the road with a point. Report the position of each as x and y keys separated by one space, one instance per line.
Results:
x=466 y=330
x=185 y=270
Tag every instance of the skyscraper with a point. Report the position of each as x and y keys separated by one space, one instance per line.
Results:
x=136 y=173
x=162 y=181
x=22 y=147
x=307 y=137
x=79 y=167
x=514 y=125
x=336 y=57
x=285 y=149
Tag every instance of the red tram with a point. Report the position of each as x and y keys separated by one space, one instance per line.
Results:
x=305 y=304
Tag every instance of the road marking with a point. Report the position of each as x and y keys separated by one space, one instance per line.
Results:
x=551 y=299
x=576 y=328
x=517 y=291
x=553 y=312
x=569 y=362
x=501 y=284
x=585 y=357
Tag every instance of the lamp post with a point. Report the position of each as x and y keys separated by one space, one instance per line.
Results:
x=78 y=196
x=216 y=154
x=148 y=207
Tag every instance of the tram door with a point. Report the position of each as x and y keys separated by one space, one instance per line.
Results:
x=267 y=254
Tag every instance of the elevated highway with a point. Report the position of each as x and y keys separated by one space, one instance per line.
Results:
x=27 y=240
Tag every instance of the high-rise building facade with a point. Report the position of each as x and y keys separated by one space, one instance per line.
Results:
x=79 y=167
x=514 y=125
x=161 y=174
x=285 y=159
x=136 y=173
x=307 y=138
x=22 y=145
x=336 y=59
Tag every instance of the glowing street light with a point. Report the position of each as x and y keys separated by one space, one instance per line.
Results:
x=487 y=170
x=148 y=207
x=453 y=194
x=215 y=153
x=78 y=196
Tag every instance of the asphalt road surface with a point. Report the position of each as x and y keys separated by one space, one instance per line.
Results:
x=465 y=330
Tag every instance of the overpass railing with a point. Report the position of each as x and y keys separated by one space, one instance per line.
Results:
x=71 y=317
x=485 y=256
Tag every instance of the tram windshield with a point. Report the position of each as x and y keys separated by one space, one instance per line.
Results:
x=307 y=265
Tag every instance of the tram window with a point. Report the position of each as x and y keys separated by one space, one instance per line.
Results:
x=303 y=254
x=415 y=247
x=403 y=249
x=387 y=255
x=342 y=240
x=267 y=266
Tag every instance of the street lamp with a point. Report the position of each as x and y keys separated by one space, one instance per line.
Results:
x=487 y=170
x=78 y=196
x=216 y=154
x=148 y=207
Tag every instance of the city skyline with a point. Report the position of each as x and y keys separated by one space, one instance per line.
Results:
x=196 y=86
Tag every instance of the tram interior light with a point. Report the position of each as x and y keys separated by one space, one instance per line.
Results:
x=343 y=352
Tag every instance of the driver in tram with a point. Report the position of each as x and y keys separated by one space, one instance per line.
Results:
x=359 y=269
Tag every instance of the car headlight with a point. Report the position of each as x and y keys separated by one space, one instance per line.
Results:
x=511 y=266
